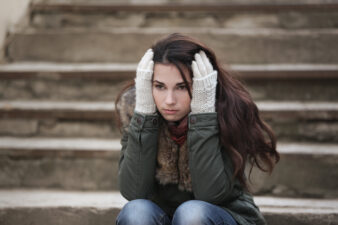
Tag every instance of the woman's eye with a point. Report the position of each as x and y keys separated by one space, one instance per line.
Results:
x=159 y=86
x=181 y=87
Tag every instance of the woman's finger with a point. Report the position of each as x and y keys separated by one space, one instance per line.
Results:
x=145 y=59
x=207 y=62
x=150 y=66
x=195 y=70
x=200 y=64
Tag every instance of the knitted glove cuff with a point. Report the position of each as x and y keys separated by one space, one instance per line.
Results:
x=204 y=94
x=144 y=99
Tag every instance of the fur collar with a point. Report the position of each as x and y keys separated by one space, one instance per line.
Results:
x=173 y=161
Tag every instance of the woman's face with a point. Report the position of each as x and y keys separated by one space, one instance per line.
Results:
x=170 y=92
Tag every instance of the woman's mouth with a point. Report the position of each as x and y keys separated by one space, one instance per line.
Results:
x=169 y=111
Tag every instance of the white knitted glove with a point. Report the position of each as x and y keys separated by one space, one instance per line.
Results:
x=204 y=85
x=144 y=98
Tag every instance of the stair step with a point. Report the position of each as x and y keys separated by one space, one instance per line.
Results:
x=118 y=71
x=58 y=198
x=101 y=208
x=105 y=110
x=303 y=171
x=56 y=147
x=289 y=15
x=59 y=207
x=291 y=121
x=103 y=147
x=111 y=6
x=61 y=110
x=67 y=163
x=303 y=15
x=147 y=2
x=102 y=82
x=91 y=164
x=296 y=205
x=299 y=110
x=77 y=146
x=234 y=46
x=90 y=71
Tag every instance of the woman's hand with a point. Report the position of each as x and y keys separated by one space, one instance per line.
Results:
x=144 y=97
x=204 y=85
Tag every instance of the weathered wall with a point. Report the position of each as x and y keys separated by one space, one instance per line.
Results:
x=11 y=11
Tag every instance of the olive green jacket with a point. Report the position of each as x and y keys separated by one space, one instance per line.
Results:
x=210 y=167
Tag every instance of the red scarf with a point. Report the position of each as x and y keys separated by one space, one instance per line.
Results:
x=178 y=131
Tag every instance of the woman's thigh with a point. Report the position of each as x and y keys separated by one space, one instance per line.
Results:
x=197 y=212
x=142 y=212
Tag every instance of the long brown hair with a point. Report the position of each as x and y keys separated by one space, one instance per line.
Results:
x=243 y=134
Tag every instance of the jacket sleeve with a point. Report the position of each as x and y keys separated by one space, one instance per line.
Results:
x=138 y=157
x=211 y=171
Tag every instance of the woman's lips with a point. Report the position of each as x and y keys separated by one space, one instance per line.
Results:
x=169 y=111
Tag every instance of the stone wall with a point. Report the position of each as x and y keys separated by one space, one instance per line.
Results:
x=11 y=11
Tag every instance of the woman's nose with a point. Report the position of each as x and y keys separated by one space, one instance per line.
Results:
x=170 y=98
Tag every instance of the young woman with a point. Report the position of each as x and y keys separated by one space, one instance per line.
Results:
x=189 y=129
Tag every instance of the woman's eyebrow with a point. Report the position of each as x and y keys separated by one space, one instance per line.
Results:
x=182 y=83
x=158 y=82
x=178 y=84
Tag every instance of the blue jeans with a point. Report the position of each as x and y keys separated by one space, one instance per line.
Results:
x=193 y=212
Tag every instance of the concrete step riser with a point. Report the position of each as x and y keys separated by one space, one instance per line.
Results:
x=247 y=19
x=59 y=216
x=314 y=131
x=297 y=174
x=60 y=89
x=20 y=127
x=119 y=45
x=298 y=130
x=285 y=130
x=63 y=173
x=97 y=216
x=103 y=90
x=295 y=90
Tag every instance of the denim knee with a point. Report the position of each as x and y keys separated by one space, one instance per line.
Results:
x=196 y=212
x=190 y=213
x=141 y=212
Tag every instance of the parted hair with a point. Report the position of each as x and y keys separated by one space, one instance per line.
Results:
x=243 y=134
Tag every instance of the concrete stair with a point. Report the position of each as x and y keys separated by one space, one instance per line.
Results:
x=257 y=46
x=59 y=145
x=64 y=163
x=102 y=81
x=100 y=208
x=304 y=32
x=291 y=121
x=218 y=14
x=91 y=164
